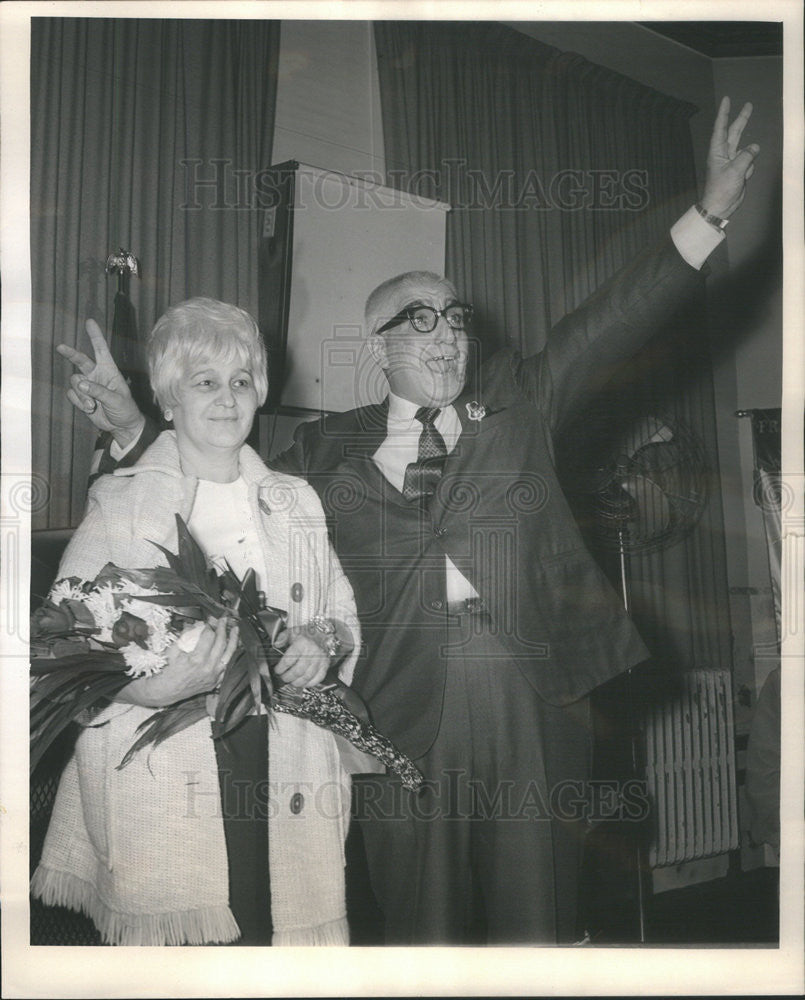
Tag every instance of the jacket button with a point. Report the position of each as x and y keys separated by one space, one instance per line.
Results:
x=437 y=605
x=297 y=803
x=297 y=592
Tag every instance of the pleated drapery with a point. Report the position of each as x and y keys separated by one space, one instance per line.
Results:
x=149 y=135
x=558 y=171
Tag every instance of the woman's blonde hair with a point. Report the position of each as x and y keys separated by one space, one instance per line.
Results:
x=203 y=330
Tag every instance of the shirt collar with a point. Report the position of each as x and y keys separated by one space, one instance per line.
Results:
x=402 y=427
x=402 y=412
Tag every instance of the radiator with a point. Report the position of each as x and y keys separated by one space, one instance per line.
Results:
x=690 y=770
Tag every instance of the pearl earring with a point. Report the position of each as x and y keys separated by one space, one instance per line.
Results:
x=169 y=414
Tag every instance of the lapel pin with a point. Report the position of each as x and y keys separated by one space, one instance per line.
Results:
x=476 y=410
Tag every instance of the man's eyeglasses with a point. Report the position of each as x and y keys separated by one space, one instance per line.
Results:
x=424 y=318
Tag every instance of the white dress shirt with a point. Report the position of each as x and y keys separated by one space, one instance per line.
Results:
x=221 y=522
x=694 y=238
x=401 y=447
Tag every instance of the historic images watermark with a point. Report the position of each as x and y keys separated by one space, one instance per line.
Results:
x=218 y=185
x=453 y=795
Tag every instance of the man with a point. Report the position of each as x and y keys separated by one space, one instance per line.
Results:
x=486 y=623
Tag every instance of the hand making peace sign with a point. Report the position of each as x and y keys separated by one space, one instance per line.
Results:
x=100 y=391
x=728 y=168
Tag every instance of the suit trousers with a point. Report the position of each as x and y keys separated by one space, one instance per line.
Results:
x=489 y=849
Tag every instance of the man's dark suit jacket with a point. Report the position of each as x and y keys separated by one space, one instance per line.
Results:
x=499 y=513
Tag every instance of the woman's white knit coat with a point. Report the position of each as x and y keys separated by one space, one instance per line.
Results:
x=141 y=850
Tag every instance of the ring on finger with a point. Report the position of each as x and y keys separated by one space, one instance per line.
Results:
x=92 y=406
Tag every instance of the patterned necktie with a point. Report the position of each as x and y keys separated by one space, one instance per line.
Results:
x=422 y=476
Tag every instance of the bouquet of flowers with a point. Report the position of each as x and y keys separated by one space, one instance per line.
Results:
x=90 y=638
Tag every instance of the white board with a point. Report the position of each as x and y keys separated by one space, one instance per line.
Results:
x=349 y=235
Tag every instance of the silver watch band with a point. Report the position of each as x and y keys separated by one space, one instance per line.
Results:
x=714 y=220
x=332 y=643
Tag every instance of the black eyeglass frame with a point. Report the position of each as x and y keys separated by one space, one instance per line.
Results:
x=407 y=314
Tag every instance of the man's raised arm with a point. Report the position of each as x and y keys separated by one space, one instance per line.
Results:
x=636 y=302
x=701 y=228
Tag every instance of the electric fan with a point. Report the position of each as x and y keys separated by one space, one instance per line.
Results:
x=646 y=490
x=652 y=488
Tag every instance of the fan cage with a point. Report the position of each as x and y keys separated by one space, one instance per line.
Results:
x=653 y=487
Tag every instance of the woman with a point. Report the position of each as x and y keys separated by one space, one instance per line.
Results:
x=200 y=841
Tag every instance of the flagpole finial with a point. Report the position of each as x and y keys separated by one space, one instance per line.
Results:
x=122 y=262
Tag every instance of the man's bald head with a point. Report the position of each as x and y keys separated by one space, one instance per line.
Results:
x=390 y=297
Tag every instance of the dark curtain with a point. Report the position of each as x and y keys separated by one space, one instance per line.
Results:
x=558 y=171
x=146 y=134
x=464 y=122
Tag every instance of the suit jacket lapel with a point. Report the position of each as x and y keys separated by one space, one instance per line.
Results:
x=472 y=428
x=371 y=431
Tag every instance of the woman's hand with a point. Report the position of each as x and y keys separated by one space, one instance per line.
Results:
x=304 y=663
x=306 y=660
x=186 y=673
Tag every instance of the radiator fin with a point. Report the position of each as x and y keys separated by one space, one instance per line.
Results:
x=690 y=770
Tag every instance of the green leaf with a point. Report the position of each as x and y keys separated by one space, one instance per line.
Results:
x=229 y=581
x=57 y=646
x=109 y=574
x=238 y=709
x=161 y=578
x=50 y=716
x=255 y=657
x=174 y=561
x=235 y=681
x=191 y=605
x=92 y=691
x=270 y=622
x=80 y=612
x=249 y=595
x=93 y=659
x=193 y=559
x=43 y=736
x=178 y=602
x=165 y=723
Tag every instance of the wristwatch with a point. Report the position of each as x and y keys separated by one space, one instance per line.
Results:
x=332 y=644
x=714 y=220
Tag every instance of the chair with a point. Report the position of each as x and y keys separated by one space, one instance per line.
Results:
x=50 y=925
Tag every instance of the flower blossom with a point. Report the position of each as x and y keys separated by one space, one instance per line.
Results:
x=101 y=604
x=156 y=617
x=65 y=590
x=141 y=662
